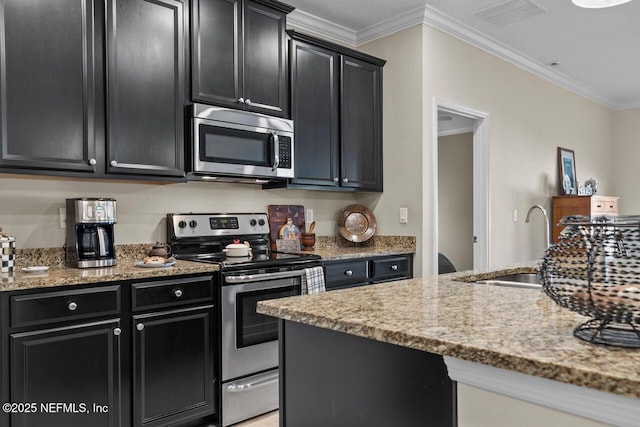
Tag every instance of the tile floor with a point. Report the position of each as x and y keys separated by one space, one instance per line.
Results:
x=267 y=420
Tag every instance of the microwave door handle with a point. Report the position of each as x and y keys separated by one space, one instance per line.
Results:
x=276 y=152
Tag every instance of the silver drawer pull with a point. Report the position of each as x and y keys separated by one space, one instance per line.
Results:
x=349 y=273
x=72 y=306
x=177 y=293
x=248 y=102
x=394 y=267
x=345 y=179
x=92 y=162
x=117 y=331
x=241 y=100
x=140 y=326
x=114 y=163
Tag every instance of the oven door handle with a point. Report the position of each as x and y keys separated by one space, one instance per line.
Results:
x=246 y=278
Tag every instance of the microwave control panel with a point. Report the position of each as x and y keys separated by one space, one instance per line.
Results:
x=284 y=150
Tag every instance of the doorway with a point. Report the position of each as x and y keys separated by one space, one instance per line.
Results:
x=460 y=186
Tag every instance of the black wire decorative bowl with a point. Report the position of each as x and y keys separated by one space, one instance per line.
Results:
x=594 y=270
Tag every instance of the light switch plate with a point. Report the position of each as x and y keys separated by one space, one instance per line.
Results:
x=309 y=217
x=514 y=215
x=63 y=217
x=404 y=215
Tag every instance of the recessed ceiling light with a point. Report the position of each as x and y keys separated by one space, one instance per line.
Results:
x=596 y=4
x=553 y=63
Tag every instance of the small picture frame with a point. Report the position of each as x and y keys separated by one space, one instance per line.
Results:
x=567 y=182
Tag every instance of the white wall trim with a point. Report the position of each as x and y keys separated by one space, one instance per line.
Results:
x=608 y=408
x=308 y=23
x=481 y=193
x=458 y=131
x=432 y=17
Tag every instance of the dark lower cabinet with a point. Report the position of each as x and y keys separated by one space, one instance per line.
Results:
x=71 y=374
x=173 y=374
x=365 y=271
x=145 y=90
x=329 y=378
x=47 y=87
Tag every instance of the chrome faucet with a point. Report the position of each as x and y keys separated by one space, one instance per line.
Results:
x=546 y=220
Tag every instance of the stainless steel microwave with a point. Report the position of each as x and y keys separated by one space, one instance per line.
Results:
x=236 y=145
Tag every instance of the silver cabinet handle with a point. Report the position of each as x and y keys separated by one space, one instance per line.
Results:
x=248 y=102
x=72 y=306
x=394 y=267
x=114 y=163
x=140 y=326
x=349 y=273
x=117 y=331
x=177 y=293
x=92 y=162
x=336 y=179
x=241 y=100
x=345 y=179
x=276 y=152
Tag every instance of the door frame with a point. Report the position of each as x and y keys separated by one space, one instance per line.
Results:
x=481 y=194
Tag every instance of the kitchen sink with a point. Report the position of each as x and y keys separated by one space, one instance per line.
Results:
x=519 y=280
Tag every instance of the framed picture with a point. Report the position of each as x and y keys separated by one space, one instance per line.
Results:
x=568 y=184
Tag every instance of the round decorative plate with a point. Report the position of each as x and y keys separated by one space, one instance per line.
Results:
x=356 y=223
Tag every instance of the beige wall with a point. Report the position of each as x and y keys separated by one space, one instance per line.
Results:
x=29 y=207
x=455 y=199
x=626 y=154
x=402 y=136
x=529 y=118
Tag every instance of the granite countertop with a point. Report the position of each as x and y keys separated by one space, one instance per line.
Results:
x=332 y=248
x=512 y=328
x=125 y=270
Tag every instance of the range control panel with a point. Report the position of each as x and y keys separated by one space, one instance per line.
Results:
x=203 y=225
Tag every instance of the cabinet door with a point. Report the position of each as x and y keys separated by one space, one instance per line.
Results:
x=145 y=93
x=361 y=121
x=314 y=110
x=173 y=359
x=75 y=366
x=216 y=43
x=265 y=66
x=47 y=85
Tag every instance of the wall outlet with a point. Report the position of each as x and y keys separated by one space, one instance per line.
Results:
x=404 y=215
x=63 y=217
x=309 y=217
x=514 y=215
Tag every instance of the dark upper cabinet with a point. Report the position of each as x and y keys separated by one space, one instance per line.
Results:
x=72 y=365
x=145 y=90
x=239 y=54
x=361 y=125
x=173 y=367
x=47 y=85
x=315 y=113
x=336 y=105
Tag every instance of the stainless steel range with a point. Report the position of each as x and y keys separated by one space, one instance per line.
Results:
x=248 y=345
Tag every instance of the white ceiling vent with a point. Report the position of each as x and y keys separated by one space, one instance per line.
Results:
x=509 y=11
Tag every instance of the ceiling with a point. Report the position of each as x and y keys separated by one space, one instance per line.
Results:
x=598 y=50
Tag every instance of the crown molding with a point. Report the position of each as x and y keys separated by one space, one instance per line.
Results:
x=427 y=15
x=308 y=23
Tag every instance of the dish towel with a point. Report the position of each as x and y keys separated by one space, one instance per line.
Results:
x=313 y=280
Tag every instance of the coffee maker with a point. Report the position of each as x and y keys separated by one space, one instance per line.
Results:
x=90 y=233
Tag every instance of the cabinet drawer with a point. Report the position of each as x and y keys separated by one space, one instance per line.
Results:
x=348 y=272
x=391 y=268
x=611 y=206
x=169 y=293
x=598 y=205
x=45 y=307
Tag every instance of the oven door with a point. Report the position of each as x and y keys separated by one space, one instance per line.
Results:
x=241 y=150
x=250 y=339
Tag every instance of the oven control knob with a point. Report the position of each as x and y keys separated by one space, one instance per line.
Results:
x=193 y=223
x=261 y=222
x=182 y=224
x=253 y=222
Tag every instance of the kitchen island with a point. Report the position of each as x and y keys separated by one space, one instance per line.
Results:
x=511 y=341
